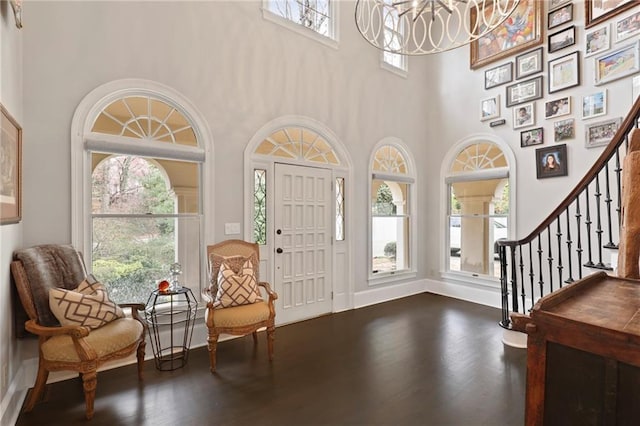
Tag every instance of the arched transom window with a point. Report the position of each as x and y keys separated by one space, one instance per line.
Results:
x=298 y=143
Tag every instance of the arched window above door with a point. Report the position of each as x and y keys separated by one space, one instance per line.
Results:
x=298 y=143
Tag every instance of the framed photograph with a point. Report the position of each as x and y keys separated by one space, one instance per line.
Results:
x=562 y=39
x=594 y=105
x=10 y=170
x=529 y=63
x=499 y=75
x=555 y=3
x=551 y=161
x=490 y=108
x=524 y=91
x=618 y=63
x=597 y=41
x=627 y=27
x=564 y=129
x=557 y=107
x=601 y=133
x=524 y=115
x=560 y=16
x=598 y=11
x=521 y=31
x=531 y=137
x=564 y=72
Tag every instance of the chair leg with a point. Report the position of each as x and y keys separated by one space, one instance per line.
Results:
x=255 y=337
x=271 y=329
x=89 y=383
x=38 y=387
x=140 y=356
x=212 y=344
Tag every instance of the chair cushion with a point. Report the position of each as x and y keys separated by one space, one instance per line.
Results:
x=106 y=340
x=239 y=316
x=88 y=305
x=50 y=266
x=236 y=289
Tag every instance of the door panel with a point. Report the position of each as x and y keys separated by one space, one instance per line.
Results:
x=302 y=214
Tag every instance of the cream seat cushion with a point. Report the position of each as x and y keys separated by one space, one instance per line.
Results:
x=105 y=340
x=238 y=316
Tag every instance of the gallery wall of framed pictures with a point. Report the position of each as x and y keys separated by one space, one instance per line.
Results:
x=533 y=80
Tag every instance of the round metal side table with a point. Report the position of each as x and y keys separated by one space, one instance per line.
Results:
x=171 y=315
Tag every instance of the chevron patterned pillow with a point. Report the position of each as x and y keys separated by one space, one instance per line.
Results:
x=236 y=289
x=87 y=305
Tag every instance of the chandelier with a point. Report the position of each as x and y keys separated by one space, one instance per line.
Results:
x=422 y=27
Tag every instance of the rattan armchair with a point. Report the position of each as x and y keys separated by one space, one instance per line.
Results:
x=35 y=271
x=237 y=320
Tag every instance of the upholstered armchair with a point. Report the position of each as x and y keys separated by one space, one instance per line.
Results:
x=42 y=271
x=231 y=305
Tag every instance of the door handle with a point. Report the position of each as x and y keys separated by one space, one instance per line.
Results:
x=279 y=250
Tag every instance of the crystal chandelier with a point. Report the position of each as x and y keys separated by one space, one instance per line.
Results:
x=421 y=27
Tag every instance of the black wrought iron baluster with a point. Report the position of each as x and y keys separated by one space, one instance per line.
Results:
x=540 y=279
x=619 y=184
x=610 y=244
x=514 y=281
x=502 y=250
x=559 y=238
x=550 y=259
x=599 y=230
x=588 y=224
x=531 y=275
x=522 y=290
x=569 y=242
x=579 y=242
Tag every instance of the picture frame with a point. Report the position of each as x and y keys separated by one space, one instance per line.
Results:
x=503 y=41
x=601 y=133
x=557 y=107
x=594 y=105
x=564 y=72
x=11 y=170
x=598 y=11
x=497 y=76
x=564 y=129
x=524 y=116
x=551 y=161
x=532 y=137
x=597 y=41
x=560 y=16
x=490 y=108
x=627 y=27
x=618 y=63
x=524 y=91
x=553 y=4
x=562 y=39
x=529 y=63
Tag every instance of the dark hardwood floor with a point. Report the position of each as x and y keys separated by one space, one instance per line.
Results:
x=421 y=360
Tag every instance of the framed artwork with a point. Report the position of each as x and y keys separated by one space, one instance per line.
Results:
x=524 y=115
x=597 y=11
x=564 y=72
x=524 y=91
x=618 y=63
x=555 y=3
x=490 y=108
x=597 y=41
x=499 y=75
x=16 y=5
x=562 y=39
x=551 y=161
x=594 y=105
x=627 y=27
x=531 y=137
x=10 y=169
x=560 y=16
x=529 y=63
x=557 y=107
x=519 y=32
x=564 y=129
x=601 y=133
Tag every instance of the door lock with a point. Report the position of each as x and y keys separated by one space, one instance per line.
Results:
x=279 y=250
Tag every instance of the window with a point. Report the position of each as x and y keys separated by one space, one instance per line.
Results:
x=478 y=209
x=260 y=206
x=393 y=36
x=305 y=16
x=340 y=209
x=391 y=207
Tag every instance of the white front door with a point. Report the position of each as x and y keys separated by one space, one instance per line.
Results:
x=303 y=231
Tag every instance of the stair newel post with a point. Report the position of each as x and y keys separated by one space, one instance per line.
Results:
x=569 y=242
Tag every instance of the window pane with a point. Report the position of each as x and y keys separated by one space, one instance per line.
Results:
x=390 y=249
x=389 y=198
x=260 y=206
x=339 y=209
x=312 y=14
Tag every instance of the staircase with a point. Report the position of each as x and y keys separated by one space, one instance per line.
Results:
x=578 y=238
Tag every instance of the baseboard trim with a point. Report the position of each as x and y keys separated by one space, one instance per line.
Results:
x=385 y=294
x=468 y=292
x=12 y=400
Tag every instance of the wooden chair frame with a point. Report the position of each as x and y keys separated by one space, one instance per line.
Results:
x=235 y=248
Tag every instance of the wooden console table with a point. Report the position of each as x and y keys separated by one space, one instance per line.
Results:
x=583 y=354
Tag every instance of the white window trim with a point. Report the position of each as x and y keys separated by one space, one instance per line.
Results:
x=332 y=41
x=401 y=72
x=446 y=177
x=84 y=116
x=411 y=272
